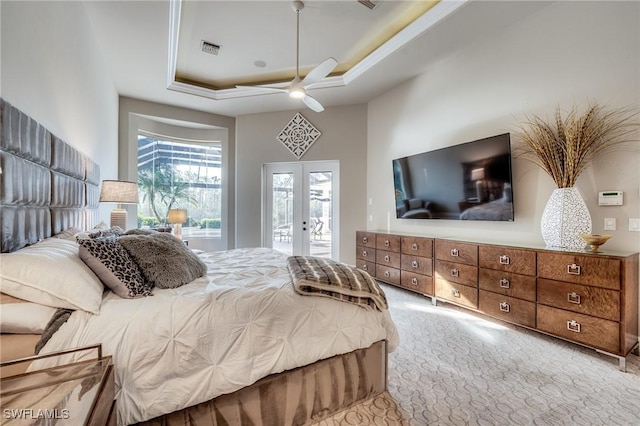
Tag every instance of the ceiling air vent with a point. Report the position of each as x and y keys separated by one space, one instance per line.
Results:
x=371 y=4
x=210 y=47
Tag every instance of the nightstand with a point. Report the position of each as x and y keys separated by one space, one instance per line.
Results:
x=79 y=393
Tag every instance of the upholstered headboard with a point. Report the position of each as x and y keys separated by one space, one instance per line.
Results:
x=46 y=186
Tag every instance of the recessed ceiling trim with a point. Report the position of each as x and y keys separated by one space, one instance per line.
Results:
x=411 y=31
x=437 y=13
x=175 y=7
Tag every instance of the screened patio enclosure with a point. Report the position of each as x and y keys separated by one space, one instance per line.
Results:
x=178 y=174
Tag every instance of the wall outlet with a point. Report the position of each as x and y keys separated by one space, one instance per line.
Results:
x=634 y=224
x=609 y=223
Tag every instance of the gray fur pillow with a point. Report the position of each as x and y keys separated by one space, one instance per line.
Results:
x=136 y=231
x=163 y=259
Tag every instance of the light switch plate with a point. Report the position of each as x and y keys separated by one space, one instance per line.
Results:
x=609 y=223
x=634 y=224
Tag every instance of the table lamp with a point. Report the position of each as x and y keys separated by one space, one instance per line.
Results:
x=477 y=175
x=177 y=217
x=120 y=192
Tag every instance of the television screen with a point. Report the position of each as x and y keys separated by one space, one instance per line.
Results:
x=470 y=181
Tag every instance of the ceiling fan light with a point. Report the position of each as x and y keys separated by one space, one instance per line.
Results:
x=297 y=93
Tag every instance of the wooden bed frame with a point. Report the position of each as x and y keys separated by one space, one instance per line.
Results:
x=47 y=186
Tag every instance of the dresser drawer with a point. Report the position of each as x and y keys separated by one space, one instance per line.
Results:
x=388 y=258
x=417 y=246
x=586 y=300
x=456 y=293
x=588 y=270
x=366 y=266
x=366 y=253
x=387 y=274
x=457 y=273
x=366 y=239
x=419 y=265
x=591 y=331
x=507 y=283
x=507 y=308
x=388 y=242
x=454 y=251
x=417 y=282
x=507 y=259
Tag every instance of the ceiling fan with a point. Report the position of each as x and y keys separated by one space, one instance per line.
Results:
x=298 y=87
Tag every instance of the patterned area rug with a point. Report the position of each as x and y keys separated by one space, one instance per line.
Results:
x=457 y=368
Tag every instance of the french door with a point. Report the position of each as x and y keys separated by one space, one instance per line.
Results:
x=301 y=208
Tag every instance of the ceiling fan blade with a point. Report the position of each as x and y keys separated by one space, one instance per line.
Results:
x=312 y=103
x=319 y=72
x=264 y=89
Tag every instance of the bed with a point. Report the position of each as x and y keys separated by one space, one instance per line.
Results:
x=493 y=210
x=235 y=346
x=501 y=208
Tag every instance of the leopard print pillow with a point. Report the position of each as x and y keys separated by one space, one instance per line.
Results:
x=115 y=268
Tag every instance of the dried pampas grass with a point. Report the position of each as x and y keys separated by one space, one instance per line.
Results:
x=565 y=147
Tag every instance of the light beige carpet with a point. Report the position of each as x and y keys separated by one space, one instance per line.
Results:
x=458 y=368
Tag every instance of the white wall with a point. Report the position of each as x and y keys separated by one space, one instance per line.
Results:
x=52 y=71
x=344 y=138
x=567 y=52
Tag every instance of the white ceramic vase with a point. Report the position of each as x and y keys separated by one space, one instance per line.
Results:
x=565 y=217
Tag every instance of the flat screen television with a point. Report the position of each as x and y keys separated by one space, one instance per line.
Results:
x=470 y=181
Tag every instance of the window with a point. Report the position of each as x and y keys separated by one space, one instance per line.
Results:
x=179 y=174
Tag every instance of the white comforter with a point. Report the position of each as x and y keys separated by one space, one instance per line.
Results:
x=215 y=335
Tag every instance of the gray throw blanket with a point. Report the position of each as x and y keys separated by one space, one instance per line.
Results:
x=57 y=319
x=317 y=276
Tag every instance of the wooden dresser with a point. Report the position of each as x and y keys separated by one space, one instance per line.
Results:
x=586 y=298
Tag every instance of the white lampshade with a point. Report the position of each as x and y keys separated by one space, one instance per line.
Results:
x=121 y=192
x=177 y=216
x=477 y=174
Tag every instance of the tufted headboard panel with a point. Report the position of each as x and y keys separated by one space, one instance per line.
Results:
x=46 y=185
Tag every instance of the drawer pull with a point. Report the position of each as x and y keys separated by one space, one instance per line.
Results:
x=414 y=264
x=364 y=253
x=365 y=240
x=505 y=307
x=386 y=243
x=573 y=326
x=573 y=297
x=455 y=252
x=414 y=246
x=364 y=267
x=387 y=258
x=455 y=293
x=504 y=283
x=455 y=272
x=414 y=281
x=387 y=274
x=573 y=269
x=505 y=260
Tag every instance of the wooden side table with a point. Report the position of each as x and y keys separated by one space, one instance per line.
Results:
x=80 y=393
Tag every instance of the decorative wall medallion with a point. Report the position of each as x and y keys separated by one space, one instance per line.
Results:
x=298 y=135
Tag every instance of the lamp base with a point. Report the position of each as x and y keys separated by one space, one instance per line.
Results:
x=119 y=218
x=177 y=230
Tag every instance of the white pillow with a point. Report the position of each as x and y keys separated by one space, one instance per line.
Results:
x=51 y=273
x=25 y=318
